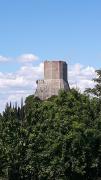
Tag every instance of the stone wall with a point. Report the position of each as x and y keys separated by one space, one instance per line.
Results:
x=55 y=78
x=55 y=70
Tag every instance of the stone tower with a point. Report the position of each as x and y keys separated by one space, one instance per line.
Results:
x=55 y=78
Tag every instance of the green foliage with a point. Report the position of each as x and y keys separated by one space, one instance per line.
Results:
x=55 y=139
x=96 y=91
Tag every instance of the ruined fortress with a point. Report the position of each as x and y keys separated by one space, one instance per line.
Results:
x=55 y=78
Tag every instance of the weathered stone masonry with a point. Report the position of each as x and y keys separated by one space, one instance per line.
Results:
x=55 y=78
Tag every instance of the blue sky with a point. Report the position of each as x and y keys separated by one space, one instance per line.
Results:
x=50 y=29
x=64 y=29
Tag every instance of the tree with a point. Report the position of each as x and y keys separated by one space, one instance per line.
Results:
x=96 y=91
x=59 y=138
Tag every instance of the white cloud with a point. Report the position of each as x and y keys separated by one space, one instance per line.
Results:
x=15 y=85
x=4 y=59
x=81 y=76
x=27 y=58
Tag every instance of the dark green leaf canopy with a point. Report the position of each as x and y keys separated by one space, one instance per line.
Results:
x=55 y=139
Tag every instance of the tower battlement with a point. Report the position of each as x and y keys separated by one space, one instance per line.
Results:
x=55 y=78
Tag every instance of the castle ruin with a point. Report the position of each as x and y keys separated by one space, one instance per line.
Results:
x=55 y=78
